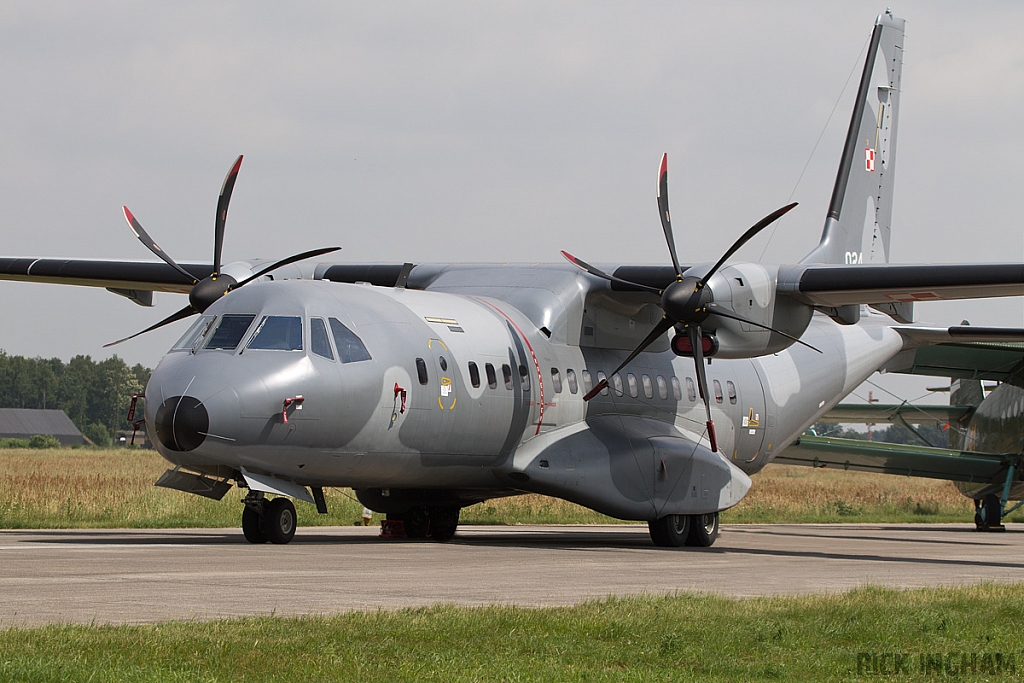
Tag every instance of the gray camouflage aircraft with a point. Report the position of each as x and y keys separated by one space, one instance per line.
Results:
x=430 y=387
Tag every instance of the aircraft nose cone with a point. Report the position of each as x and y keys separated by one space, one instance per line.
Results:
x=182 y=423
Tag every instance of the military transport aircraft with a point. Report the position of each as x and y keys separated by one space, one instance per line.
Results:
x=430 y=387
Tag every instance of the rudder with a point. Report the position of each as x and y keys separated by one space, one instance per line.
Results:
x=859 y=218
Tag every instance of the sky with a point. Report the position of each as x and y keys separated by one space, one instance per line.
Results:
x=498 y=131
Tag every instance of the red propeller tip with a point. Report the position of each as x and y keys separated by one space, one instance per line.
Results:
x=711 y=436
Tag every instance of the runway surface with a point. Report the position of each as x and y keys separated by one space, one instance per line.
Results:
x=118 y=576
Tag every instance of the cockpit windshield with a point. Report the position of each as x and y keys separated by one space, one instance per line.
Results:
x=198 y=329
x=278 y=333
x=230 y=331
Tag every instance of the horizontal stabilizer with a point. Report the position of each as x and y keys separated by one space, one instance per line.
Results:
x=887 y=458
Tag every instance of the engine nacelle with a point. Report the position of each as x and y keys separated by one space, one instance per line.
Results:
x=750 y=290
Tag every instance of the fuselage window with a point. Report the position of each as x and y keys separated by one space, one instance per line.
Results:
x=506 y=374
x=662 y=387
x=524 y=377
x=570 y=376
x=645 y=381
x=556 y=380
x=230 y=331
x=617 y=384
x=319 y=342
x=600 y=378
x=443 y=363
x=421 y=370
x=718 y=391
x=474 y=374
x=278 y=333
x=588 y=383
x=631 y=383
x=199 y=329
x=691 y=389
x=350 y=347
x=492 y=379
x=731 y=388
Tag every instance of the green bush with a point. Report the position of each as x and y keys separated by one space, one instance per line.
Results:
x=98 y=434
x=44 y=441
x=13 y=443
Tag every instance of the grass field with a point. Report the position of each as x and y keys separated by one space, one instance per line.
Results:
x=931 y=634
x=65 y=488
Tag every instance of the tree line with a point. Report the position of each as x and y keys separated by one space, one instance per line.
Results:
x=95 y=394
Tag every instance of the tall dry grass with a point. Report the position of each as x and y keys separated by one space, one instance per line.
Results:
x=69 y=488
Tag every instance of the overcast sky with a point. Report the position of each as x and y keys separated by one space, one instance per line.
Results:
x=411 y=131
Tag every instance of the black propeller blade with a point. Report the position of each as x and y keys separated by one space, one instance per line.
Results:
x=222 y=212
x=208 y=290
x=173 y=318
x=687 y=301
x=666 y=219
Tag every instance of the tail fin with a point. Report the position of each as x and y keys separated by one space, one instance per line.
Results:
x=859 y=215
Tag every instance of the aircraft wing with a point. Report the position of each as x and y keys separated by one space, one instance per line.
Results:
x=960 y=352
x=900 y=413
x=888 y=283
x=908 y=460
x=125 y=275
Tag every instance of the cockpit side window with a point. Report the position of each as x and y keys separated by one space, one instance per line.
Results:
x=230 y=331
x=198 y=329
x=350 y=347
x=319 y=343
x=278 y=333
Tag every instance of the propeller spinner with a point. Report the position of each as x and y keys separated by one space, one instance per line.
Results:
x=686 y=302
x=208 y=290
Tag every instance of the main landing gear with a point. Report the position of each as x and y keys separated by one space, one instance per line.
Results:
x=673 y=531
x=988 y=513
x=436 y=522
x=264 y=520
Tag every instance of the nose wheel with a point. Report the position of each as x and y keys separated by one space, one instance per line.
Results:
x=264 y=520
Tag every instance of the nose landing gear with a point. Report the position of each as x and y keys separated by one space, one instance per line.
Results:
x=264 y=520
x=673 y=531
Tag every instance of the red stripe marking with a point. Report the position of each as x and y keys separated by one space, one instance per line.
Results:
x=536 y=363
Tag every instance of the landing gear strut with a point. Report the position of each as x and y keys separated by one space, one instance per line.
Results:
x=264 y=520
x=673 y=531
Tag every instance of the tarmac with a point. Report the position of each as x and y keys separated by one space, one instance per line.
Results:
x=142 y=576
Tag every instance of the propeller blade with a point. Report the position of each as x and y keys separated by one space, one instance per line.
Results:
x=587 y=268
x=666 y=219
x=222 y=212
x=746 y=237
x=174 y=317
x=661 y=328
x=702 y=380
x=718 y=310
x=284 y=262
x=144 y=237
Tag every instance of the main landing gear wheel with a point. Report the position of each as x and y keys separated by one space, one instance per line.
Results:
x=279 y=521
x=443 y=523
x=988 y=513
x=416 y=522
x=703 y=530
x=670 y=531
x=252 y=526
